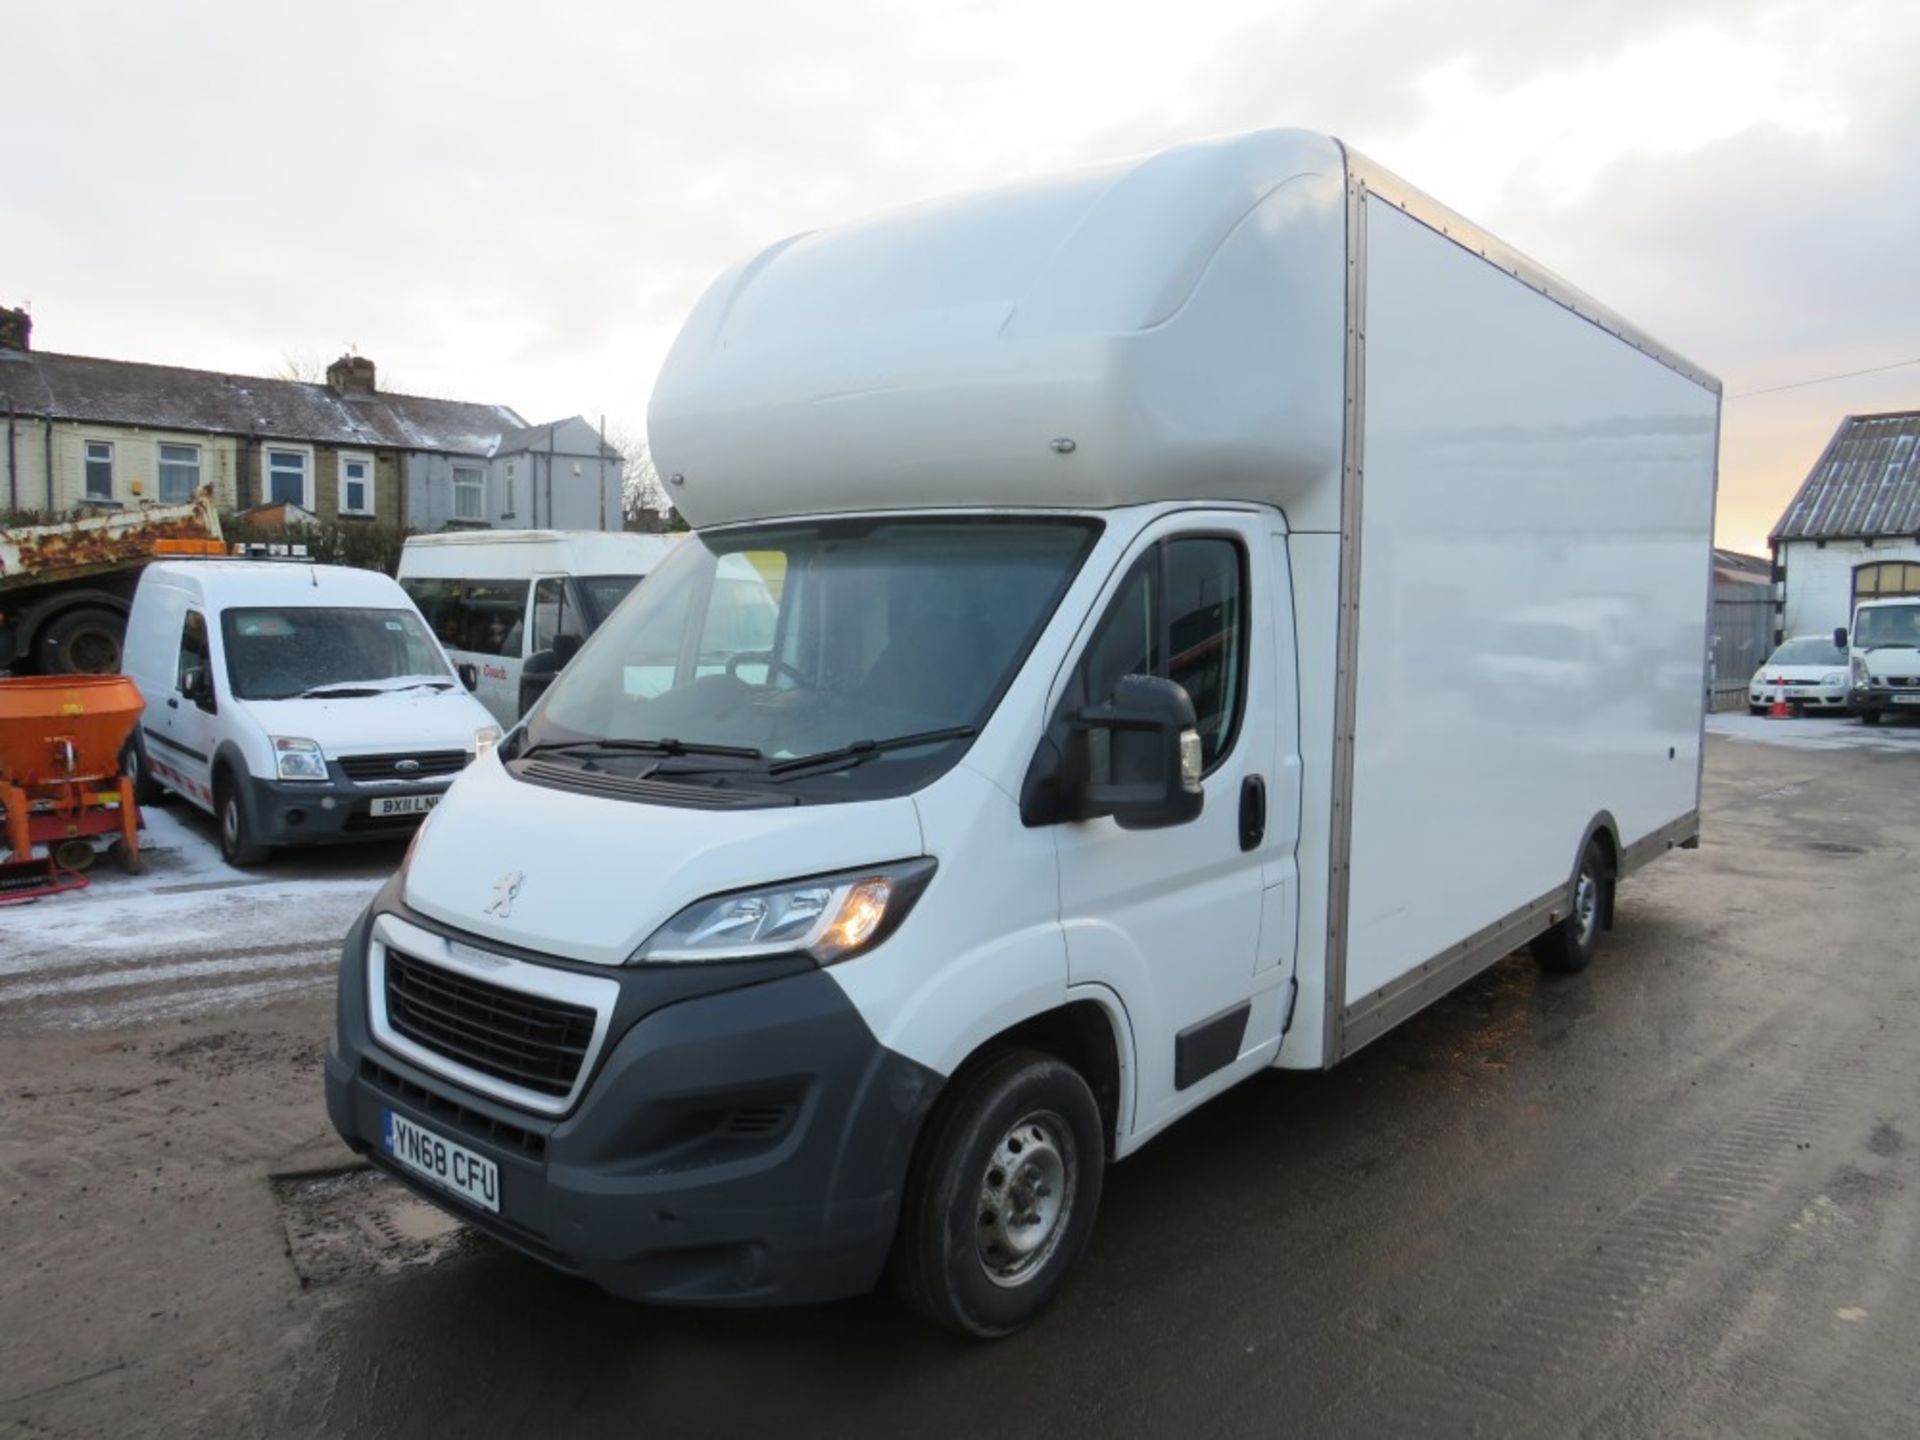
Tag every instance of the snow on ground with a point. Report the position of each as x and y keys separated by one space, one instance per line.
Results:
x=191 y=934
x=1818 y=732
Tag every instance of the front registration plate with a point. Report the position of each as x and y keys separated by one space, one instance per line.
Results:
x=405 y=804
x=450 y=1166
x=1906 y=699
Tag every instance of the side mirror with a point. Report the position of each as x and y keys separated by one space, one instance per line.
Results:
x=1142 y=755
x=1839 y=637
x=537 y=674
x=565 y=647
x=197 y=686
x=469 y=676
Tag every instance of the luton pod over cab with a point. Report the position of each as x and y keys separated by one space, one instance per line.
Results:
x=1120 y=649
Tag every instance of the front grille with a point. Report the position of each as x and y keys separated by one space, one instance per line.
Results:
x=413 y=765
x=525 y=1040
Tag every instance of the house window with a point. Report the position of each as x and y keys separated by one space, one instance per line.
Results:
x=287 y=477
x=99 y=470
x=1885 y=580
x=179 y=474
x=469 y=493
x=356 y=485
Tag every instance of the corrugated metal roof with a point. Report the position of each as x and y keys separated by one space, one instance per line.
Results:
x=1866 y=482
x=126 y=392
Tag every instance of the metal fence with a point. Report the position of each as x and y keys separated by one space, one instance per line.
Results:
x=1741 y=640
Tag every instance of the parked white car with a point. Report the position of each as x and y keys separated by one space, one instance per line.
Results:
x=294 y=702
x=500 y=599
x=1809 y=672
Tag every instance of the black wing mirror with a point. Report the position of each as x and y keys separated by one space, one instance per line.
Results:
x=469 y=676
x=1137 y=758
x=1839 y=637
x=197 y=686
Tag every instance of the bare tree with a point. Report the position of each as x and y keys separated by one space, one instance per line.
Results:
x=302 y=365
x=643 y=498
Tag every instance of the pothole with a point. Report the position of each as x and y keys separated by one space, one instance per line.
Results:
x=358 y=1224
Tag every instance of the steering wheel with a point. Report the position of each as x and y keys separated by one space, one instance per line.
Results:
x=763 y=657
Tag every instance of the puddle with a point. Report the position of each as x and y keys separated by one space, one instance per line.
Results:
x=359 y=1224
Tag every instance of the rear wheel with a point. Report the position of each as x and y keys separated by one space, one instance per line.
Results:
x=80 y=642
x=133 y=765
x=1569 y=945
x=1001 y=1196
x=237 y=843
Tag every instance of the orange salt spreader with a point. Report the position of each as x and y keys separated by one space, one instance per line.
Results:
x=61 y=738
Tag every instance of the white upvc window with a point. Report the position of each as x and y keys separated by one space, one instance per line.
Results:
x=289 y=476
x=179 y=474
x=469 y=492
x=356 y=484
x=99 y=470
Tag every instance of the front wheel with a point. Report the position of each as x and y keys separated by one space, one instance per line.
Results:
x=1869 y=717
x=1569 y=945
x=237 y=845
x=1001 y=1196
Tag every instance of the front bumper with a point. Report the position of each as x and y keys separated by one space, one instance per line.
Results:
x=743 y=1140
x=1806 y=697
x=1895 y=699
x=289 y=812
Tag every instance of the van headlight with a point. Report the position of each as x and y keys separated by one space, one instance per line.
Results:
x=298 y=759
x=484 y=739
x=825 y=917
x=1835 y=677
x=1859 y=668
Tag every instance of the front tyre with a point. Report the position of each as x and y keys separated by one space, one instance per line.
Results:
x=237 y=843
x=1568 y=946
x=1869 y=717
x=1001 y=1196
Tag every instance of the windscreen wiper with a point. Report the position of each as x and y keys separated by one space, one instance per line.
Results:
x=336 y=692
x=643 y=747
x=861 y=750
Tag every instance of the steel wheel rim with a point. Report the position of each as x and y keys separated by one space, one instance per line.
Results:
x=230 y=823
x=93 y=652
x=1025 y=1198
x=1586 y=906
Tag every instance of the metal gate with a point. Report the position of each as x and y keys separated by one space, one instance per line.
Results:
x=1742 y=639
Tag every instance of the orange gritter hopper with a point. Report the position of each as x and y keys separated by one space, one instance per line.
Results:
x=60 y=784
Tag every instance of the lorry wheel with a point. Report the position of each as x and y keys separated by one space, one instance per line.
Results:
x=237 y=844
x=81 y=642
x=1568 y=946
x=1001 y=1195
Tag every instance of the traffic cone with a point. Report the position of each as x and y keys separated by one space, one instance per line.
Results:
x=1779 y=710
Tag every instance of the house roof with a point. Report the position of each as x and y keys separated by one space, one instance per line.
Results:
x=1866 y=482
x=127 y=392
x=546 y=437
x=1736 y=565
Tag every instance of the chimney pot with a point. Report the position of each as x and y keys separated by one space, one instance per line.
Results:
x=351 y=375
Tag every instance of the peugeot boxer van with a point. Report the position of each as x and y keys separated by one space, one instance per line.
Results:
x=1081 y=692
x=295 y=703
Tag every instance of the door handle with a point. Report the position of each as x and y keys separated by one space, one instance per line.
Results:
x=172 y=703
x=1253 y=812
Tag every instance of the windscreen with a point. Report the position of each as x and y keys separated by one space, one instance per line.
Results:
x=783 y=643
x=1888 y=625
x=276 y=653
x=603 y=593
x=1815 y=651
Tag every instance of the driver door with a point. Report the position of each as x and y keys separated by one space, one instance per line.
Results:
x=1171 y=919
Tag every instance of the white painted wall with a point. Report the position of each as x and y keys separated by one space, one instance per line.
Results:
x=1819 y=584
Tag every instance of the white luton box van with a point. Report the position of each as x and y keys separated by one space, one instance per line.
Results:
x=1149 y=698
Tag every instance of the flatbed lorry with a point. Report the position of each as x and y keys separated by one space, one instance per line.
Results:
x=1149 y=689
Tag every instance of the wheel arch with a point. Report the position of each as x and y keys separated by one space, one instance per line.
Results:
x=1605 y=830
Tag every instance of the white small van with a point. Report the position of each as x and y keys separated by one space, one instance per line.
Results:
x=295 y=703
x=499 y=598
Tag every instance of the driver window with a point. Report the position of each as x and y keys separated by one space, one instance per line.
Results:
x=1180 y=614
x=194 y=653
x=552 y=615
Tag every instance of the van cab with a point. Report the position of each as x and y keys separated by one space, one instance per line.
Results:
x=1883 y=657
x=295 y=703
x=512 y=601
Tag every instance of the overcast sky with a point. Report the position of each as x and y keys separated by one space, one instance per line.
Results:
x=518 y=202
